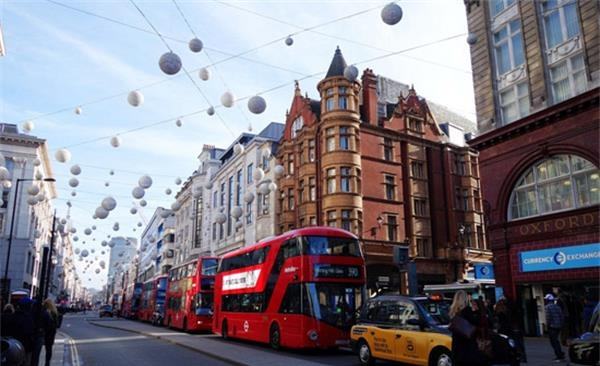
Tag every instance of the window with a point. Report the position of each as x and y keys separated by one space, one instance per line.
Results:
x=345 y=179
x=331 y=218
x=460 y=166
x=223 y=194
x=416 y=169
x=346 y=222
x=265 y=162
x=415 y=124
x=420 y=207
x=568 y=78
x=329 y=103
x=480 y=237
x=312 y=221
x=560 y=21
x=390 y=187
x=230 y=205
x=297 y=125
x=301 y=193
x=214 y=231
x=249 y=213
x=249 y=178
x=215 y=199
x=331 y=180
x=508 y=47
x=312 y=189
x=311 y=151
x=392 y=228
x=477 y=200
x=561 y=182
x=465 y=199
x=301 y=153
x=295 y=300
x=344 y=138
x=424 y=248
x=514 y=102
x=290 y=164
x=388 y=150
x=342 y=98
x=291 y=201
x=330 y=133
x=381 y=111
x=467 y=236
x=238 y=186
x=498 y=6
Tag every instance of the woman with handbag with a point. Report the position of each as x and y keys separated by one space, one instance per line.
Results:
x=463 y=326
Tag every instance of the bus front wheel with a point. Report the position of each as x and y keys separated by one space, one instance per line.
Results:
x=185 y=325
x=224 y=333
x=275 y=337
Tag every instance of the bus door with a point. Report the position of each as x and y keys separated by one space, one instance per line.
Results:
x=294 y=308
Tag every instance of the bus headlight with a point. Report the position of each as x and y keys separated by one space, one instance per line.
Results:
x=313 y=335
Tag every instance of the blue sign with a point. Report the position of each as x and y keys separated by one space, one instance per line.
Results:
x=499 y=292
x=577 y=256
x=484 y=271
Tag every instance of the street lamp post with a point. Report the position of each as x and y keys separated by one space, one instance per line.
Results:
x=6 y=281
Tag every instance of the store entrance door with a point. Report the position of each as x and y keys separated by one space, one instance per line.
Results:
x=528 y=307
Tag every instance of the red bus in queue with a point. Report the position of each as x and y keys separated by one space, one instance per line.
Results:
x=152 y=307
x=190 y=295
x=132 y=300
x=301 y=289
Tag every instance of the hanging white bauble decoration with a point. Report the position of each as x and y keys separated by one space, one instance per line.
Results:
x=77 y=250
x=37 y=234
x=264 y=189
x=258 y=174
x=175 y=206
x=227 y=99
x=351 y=72
x=391 y=14
x=145 y=181
x=164 y=213
x=28 y=126
x=178 y=181
x=37 y=162
x=94 y=227
x=97 y=270
x=211 y=110
x=31 y=200
x=84 y=253
x=195 y=45
x=197 y=192
x=278 y=170
x=133 y=210
x=178 y=123
x=170 y=63
x=239 y=224
x=236 y=212
x=102 y=263
x=73 y=193
x=62 y=155
x=40 y=197
x=139 y=224
x=238 y=149
x=220 y=218
x=39 y=175
x=73 y=182
x=87 y=231
x=73 y=230
x=135 y=98
x=143 y=203
x=112 y=172
x=115 y=141
x=249 y=197
x=289 y=41
x=7 y=184
x=1 y=202
x=138 y=192
x=75 y=238
x=111 y=244
x=208 y=185
x=272 y=186
x=472 y=38
x=109 y=203
x=106 y=184
x=204 y=73
x=257 y=104
x=101 y=212
x=75 y=169
x=168 y=191
x=33 y=190
x=78 y=110
x=4 y=173
x=63 y=221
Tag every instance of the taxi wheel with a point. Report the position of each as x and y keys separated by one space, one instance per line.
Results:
x=275 y=337
x=364 y=354
x=440 y=357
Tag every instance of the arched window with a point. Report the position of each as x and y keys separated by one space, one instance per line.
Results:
x=559 y=183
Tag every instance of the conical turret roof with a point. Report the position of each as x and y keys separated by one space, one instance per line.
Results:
x=338 y=64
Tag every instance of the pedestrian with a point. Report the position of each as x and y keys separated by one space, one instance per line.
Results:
x=463 y=325
x=22 y=328
x=50 y=327
x=40 y=319
x=563 y=300
x=554 y=323
x=503 y=318
x=482 y=332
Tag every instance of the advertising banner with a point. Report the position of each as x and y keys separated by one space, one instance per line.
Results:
x=576 y=256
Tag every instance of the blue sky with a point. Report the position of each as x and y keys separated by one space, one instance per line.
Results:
x=58 y=58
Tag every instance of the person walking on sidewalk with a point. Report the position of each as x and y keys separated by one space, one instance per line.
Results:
x=463 y=326
x=50 y=326
x=554 y=322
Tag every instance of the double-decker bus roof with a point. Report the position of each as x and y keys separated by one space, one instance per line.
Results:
x=307 y=231
x=190 y=261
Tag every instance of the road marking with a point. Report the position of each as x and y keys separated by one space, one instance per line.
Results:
x=108 y=339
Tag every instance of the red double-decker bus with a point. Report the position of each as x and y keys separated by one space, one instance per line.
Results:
x=154 y=293
x=131 y=300
x=298 y=290
x=190 y=295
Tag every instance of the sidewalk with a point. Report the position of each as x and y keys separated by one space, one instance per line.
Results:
x=58 y=351
x=540 y=353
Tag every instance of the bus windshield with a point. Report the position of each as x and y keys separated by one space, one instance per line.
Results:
x=325 y=245
x=203 y=303
x=335 y=304
x=209 y=267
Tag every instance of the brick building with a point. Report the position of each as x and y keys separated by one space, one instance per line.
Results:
x=535 y=71
x=385 y=171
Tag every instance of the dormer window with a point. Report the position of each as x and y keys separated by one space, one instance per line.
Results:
x=297 y=125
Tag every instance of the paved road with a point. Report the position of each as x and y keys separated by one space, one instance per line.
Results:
x=102 y=346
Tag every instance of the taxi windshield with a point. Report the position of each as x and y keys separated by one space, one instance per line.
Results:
x=436 y=311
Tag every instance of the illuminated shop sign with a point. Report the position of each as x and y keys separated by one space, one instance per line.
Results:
x=577 y=256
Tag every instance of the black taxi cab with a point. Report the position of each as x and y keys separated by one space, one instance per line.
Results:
x=403 y=329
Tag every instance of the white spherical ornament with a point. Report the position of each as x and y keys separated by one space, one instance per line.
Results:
x=168 y=191
x=170 y=63
x=85 y=253
x=258 y=174
x=106 y=184
x=264 y=189
x=139 y=224
x=197 y=193
x=109 y=203
x=239 y=224
x=272 y=186
x=227 y=99
x=94 y=227
x=238 y=149
x=7 y=184
x=75 y=169
x=111 y=244
x=78 y=110
x=220 y=218
x=73 y=193
x=1 y=202
x=145 y=181
x=278 y=170
x=289 y=41
x=97 y=270
x=204 y=73
x=135 y=98
x=257 y=104
x=77 y=250
x=28 y=126
x=115 y=141
x=87 y=231
x=4 y=173
x=39 y=175
x=472 y=38
x=195 y=45
x=391 y=14
x=32 y=200
x=37 y=234
x=175 y=206
x=73 y=230
x=249 y=197
x=236 y=212
x=178 y=123
x=101 y=212
x=351 y=72
x=138 y=192
x=40 y=197
x=33 y=190
x=73 y=182
x=37 y=162
x=63 y=221
x=164 y=213
x=133 y=210
x=178 y=181
x=75 y=238
x=62 y=155
x=211 y=110
x=208 y=185
x=112 y=172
